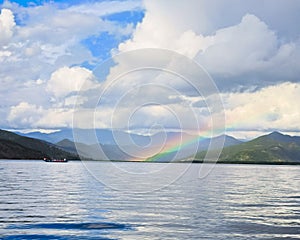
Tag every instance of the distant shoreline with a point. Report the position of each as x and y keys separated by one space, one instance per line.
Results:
x=181 y=162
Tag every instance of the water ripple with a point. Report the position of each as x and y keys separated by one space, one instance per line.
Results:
x=66 y=226
x=47 y=236
x=45 y=201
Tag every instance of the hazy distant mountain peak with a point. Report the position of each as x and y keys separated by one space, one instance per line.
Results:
x=277 y=136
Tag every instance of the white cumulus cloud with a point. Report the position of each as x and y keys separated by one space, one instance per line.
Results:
x=7 y=25
x=245 y=49
x=273 y=107
x=25 y=114
x=68 y=80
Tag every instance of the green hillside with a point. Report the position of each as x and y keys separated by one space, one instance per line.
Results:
x=14 y=146
x=274 y=148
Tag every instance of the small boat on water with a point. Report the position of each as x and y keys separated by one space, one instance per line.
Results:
x=55 y=160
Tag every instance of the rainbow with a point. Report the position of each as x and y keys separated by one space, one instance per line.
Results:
x=175 y=144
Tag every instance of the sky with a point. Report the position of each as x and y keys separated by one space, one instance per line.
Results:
x=59 y=59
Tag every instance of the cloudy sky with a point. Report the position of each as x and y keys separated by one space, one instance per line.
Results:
x=63 y=57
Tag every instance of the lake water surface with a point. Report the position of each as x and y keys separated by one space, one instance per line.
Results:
x=41 y=200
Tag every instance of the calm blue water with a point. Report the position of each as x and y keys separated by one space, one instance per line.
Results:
x=64 y=201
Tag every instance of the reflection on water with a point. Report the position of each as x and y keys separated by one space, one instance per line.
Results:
x=63 y=201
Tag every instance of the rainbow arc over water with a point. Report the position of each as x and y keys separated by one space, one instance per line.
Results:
x=175 y=144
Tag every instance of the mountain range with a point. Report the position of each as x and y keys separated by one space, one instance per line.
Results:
x=89 y=136
x=273 y=148
x=119 y=145
x=14 y=146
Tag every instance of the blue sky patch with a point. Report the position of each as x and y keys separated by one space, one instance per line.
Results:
x=101 y=45
x=126 y=17
x=42 y=2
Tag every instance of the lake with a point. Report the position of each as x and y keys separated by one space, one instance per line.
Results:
x=78 y=200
